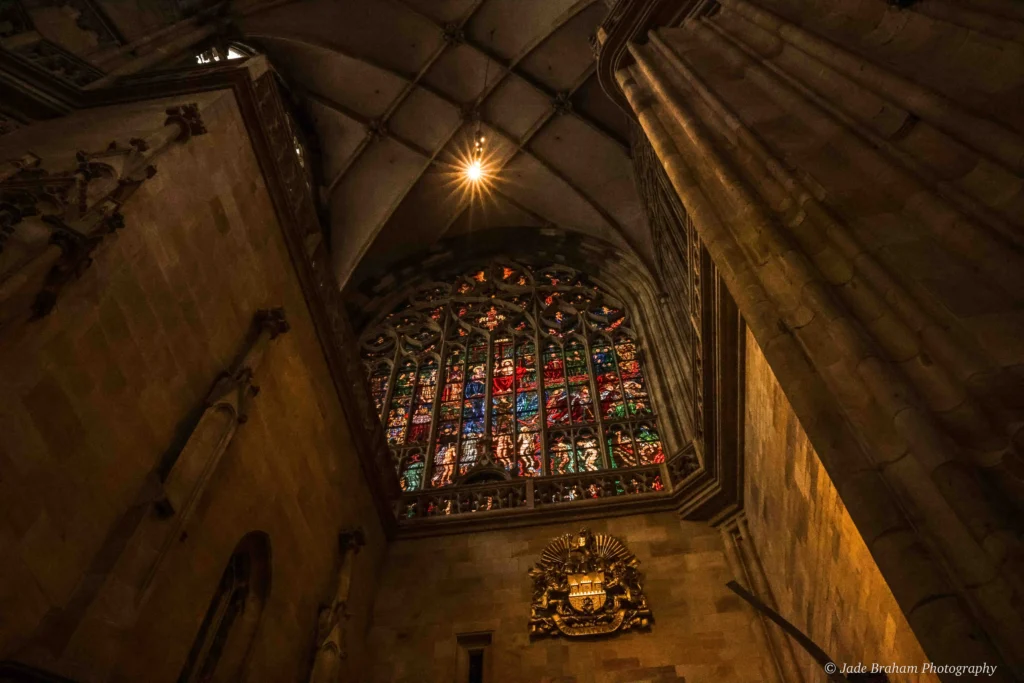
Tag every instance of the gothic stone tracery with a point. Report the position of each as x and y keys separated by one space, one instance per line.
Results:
x=504 y=365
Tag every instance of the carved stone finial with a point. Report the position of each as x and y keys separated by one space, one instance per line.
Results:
x=453 y=34
x=188 y=117
x=562 y=103
x=271 y=319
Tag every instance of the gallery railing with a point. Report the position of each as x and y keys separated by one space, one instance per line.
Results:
x=549 y=493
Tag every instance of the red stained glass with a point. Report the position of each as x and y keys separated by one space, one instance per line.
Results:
x=446 y=460
x=632 y=379
x=587 y=452
x=380 y=374
x=648 y=444
x=401 y=403
x=560 y=454
x=423 y=406
x=497 y=391
x=492 y=318
x=620 y=447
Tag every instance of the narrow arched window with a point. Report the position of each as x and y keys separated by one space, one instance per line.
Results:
x=536 y=368
x=222 y=645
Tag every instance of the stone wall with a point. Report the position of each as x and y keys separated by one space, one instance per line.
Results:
x=820 y=571
x=433 y=589
x=94 y=397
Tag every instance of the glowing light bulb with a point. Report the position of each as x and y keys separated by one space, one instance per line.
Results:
x=475 y=171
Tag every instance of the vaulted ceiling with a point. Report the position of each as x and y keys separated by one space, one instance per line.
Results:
x=395 y=89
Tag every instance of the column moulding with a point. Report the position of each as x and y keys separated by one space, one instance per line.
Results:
x=748 y=206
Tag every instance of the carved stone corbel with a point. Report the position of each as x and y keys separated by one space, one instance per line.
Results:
x=158 y=520
x=227 y=406
x=330 y=644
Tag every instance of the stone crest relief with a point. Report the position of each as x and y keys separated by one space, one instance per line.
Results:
x=587 y=584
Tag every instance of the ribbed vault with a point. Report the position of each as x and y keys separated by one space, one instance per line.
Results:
x=395 y=88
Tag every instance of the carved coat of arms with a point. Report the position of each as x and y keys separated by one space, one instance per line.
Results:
x=586 y=585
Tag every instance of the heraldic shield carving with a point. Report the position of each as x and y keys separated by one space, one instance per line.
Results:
x=587 y=585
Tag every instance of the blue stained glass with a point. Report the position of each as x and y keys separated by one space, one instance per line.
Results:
x=526 y=406
x=475 y=385
x=579 y=374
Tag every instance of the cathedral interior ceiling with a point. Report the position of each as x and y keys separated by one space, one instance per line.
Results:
x=375 y=297
x=392 y=87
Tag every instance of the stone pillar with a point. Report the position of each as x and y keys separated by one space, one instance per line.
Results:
x=330 y=636
x=858 y=185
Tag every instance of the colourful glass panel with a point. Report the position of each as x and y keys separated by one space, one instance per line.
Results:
x=581 y=407
x=527 y=409
x=379 y=376
x=560 y=454
x=587 y=452
x=474 y=395
x=606 y=378
x=556 y=399
x=491 y=318
x=632 y=379
x=447 y=440
x=502 y=401
x=648 y=444
x=401 y=403
x=446 y=457
x=423 y=405
x=489 y=387
x=620 y=447
x=411 y=477
x=528 y=454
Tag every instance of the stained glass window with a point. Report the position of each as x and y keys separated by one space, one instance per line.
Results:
x=535 y=370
